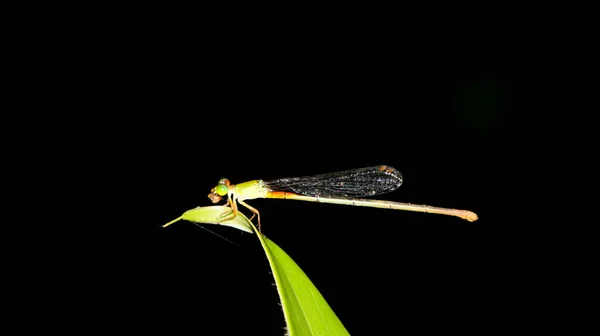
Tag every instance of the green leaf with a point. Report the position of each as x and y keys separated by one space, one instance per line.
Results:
x=210 y=214
x=305 y=310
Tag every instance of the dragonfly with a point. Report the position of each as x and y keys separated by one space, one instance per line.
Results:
x=343 y=187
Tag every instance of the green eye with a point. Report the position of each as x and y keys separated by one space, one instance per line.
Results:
x=222 y=190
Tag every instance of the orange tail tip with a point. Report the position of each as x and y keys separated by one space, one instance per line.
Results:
x=471 y=216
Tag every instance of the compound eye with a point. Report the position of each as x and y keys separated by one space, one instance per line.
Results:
x=221 y=189
x=224 y=181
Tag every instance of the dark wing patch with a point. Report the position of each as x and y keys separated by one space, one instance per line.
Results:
x=360 y=182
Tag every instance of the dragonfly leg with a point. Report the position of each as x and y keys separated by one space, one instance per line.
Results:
x=229 y=215
x=255 y=212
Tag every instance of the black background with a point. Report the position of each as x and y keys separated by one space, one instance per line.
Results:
x=183 y=110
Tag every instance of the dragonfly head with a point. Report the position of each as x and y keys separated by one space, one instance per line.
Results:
x=217 y=193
